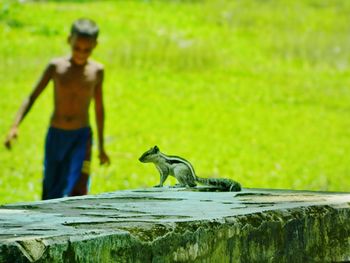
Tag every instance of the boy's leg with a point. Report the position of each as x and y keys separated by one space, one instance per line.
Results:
x=81 y=186
x=79 y=171
x=53 y=182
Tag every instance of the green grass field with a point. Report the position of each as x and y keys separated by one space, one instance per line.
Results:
x=258 y=91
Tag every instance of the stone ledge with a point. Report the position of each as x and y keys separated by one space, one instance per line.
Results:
x=179 y=225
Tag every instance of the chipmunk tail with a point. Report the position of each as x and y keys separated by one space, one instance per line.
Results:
x=222 y=184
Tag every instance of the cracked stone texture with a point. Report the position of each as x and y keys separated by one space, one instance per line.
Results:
x=179 y=225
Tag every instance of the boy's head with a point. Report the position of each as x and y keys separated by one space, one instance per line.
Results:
x=84 y=27
x=83 y=39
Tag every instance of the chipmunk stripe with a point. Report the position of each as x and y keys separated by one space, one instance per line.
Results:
x=176 y=159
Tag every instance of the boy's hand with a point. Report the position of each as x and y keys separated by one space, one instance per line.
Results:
x=13 y=133
x=104 y=159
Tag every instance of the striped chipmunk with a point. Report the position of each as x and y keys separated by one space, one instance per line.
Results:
x=183 y=171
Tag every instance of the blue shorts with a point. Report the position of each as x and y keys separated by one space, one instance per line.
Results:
x=67 y=162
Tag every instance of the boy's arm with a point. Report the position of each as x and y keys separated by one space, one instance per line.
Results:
x=100 y=116
x=28 y=103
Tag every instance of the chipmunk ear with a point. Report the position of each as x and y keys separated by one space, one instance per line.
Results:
x=156 y=149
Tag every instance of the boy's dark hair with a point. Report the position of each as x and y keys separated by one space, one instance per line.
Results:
x=84 y=27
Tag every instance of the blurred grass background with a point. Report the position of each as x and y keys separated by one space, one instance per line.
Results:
x=258 y=91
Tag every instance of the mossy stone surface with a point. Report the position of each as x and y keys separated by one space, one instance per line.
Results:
x=179 y=225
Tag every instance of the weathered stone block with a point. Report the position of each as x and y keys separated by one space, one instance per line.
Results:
x=179 y=225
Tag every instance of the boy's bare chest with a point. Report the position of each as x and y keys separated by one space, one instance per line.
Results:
x=76 y=79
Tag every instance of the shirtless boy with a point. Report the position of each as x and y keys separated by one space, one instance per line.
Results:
x=77 y=80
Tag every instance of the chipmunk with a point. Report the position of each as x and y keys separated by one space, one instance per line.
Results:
x=183 y=171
